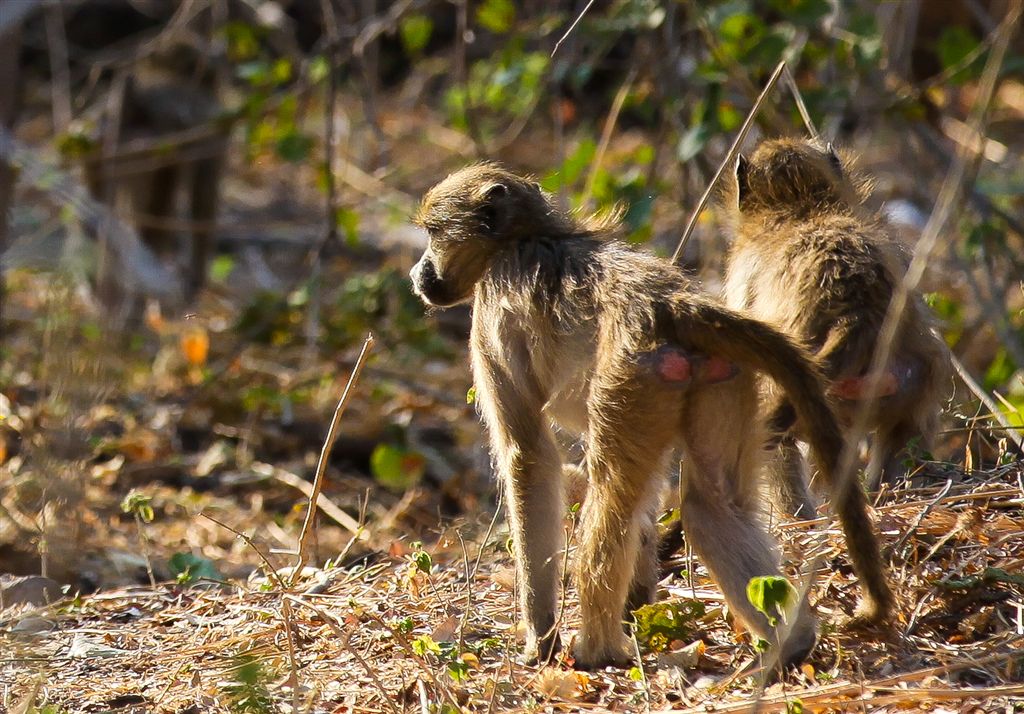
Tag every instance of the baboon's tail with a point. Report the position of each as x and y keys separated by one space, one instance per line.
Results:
x=749 y=342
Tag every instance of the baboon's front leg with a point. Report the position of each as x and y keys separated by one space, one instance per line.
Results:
x=533 y=495
x=529 y=466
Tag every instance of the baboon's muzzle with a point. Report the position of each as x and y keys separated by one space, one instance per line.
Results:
x=428 y=285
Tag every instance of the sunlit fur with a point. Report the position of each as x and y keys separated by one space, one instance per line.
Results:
x=810 y=259
x=565 y=319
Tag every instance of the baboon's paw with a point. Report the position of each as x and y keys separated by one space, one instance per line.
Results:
x=543 y=650
x=598 y=657
x=869 y=615
x=796 y=649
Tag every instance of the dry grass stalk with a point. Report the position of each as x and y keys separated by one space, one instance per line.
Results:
x=325 y=452
x=730 y=157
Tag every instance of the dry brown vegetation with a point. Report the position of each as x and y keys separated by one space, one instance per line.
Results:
x=206 y=424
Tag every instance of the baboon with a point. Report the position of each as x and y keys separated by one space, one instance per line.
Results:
x=572 y=327
x=809 y=259
x=164 y=132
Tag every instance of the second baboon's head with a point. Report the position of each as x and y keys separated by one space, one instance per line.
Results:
x=799 y=177
x=472 y=216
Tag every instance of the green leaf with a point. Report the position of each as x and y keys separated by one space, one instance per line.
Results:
x=496 y=15
x=415 y=32
x=294 y=146
x=281 y=71
x=319 y=68
x=794 y=706
x=188 y=568
x=221 y=267
x=770 y=594
x=954 y=45
x=471 y=395
x=138 y=504
x=422 y=560
x=1000 y=370
x=636 y=674
x=657 y=625
x=572 y=168
x=395 y=468
x=348 y=221
x=242 y=40
x=458 y=670
x=75 y=144
x=425 y=643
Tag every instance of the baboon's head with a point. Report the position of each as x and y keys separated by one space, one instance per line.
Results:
x=472 y=216
x=796 y=177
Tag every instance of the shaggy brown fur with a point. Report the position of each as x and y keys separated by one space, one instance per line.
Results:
x=810 y=260
x=617 y=346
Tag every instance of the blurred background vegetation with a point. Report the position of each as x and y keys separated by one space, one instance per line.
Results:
x=340 y=114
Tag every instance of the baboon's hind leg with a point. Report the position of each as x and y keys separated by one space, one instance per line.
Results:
x=720 y=512
x=625 y=455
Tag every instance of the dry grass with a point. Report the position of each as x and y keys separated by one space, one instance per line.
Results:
x=385 y=636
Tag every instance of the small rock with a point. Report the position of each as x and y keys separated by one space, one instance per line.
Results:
x=32 y=626
x=84 y=648
x=27 y=589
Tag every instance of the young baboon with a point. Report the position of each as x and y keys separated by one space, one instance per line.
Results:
x=572 y=327
x=163 y=134
x=809 y=259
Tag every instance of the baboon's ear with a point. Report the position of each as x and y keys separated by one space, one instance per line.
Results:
x=742 y=187
x=833 y=158
x=490 y=210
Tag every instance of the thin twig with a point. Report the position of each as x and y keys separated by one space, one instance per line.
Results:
x=606 y=132
x=730 y=157
x=471 y=576
x=325 y=452
x=57 y=44
x=293 y=664
x=571 y=28
x=801 y=107
x=271 y=571
x=332 y=510
x=345 y=636
x=922 y=515
x=981 y=394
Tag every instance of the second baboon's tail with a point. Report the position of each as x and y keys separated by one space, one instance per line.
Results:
x=751 y=343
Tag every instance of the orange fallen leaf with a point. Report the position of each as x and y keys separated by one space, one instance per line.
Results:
x=195 y=345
